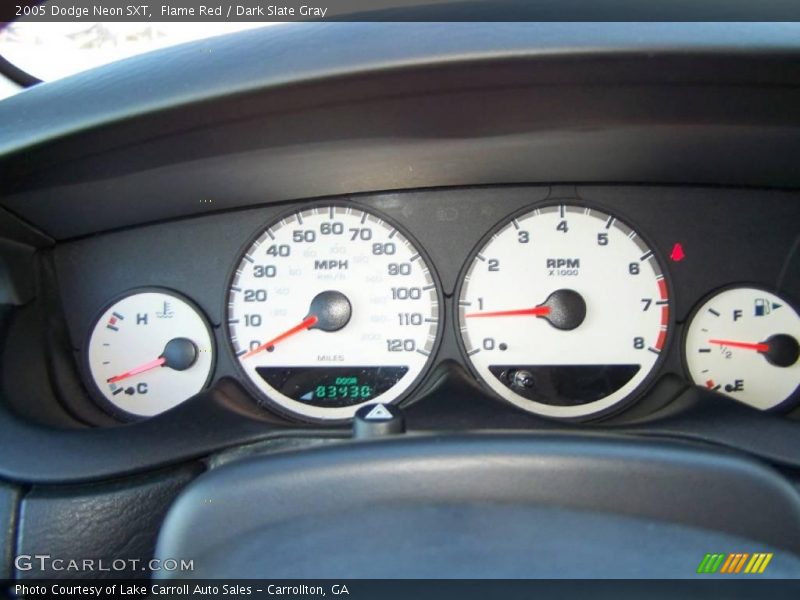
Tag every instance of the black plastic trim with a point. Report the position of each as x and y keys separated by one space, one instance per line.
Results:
x=17 y=75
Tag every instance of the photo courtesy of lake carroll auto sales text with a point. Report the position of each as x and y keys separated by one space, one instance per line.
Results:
x=134 y=590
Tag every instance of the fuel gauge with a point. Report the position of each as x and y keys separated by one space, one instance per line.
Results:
x=148 y=352
x=743 y=342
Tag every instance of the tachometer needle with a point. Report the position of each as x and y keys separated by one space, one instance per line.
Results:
x=140 y=369
x=538 y=311
x=306 y=323
x=758 y=347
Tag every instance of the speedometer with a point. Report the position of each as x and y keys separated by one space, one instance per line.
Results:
x=564 y=311
x=331 y=308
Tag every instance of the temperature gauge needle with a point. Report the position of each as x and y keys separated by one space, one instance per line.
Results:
x=305 y=324
x=758 y=347
x=538 y=311
x=140 y=369
x=179 y=354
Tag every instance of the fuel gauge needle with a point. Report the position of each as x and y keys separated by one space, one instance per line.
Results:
x=758 y=347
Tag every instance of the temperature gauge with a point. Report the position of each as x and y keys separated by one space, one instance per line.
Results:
x=743 y=342
x=148 y=352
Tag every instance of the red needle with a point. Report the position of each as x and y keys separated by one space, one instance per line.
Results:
x=140 y=369
x=759 y=347
x=306 y=323
x=538 y=311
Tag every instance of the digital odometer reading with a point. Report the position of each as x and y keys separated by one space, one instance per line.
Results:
x=564 y=311
x=331 y=308
x=332 y=386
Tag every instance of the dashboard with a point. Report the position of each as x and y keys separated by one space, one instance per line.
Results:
x=563 y=252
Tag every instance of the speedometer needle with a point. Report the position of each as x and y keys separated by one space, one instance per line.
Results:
x=305 y=324
x=758 y=347
x=329 y=311
x=538 y=311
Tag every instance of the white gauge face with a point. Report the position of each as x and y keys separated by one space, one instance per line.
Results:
x=332 y=308
x=149 y=352
x=564 y=311
x=743 y=342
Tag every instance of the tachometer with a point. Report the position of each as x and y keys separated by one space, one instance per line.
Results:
x=331 y=308
x=564 y=311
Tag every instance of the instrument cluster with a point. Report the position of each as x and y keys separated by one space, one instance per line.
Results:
x=565 y=307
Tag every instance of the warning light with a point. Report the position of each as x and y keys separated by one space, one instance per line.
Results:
x=677 y=253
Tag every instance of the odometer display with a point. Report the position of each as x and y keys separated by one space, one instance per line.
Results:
x=564 y=311
x=332 y=386
x=331 y=308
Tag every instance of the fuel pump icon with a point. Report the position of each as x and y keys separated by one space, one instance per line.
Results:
x=762 y=307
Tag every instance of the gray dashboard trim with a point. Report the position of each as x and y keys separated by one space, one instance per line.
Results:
x=281 y=55
x=304 y=111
